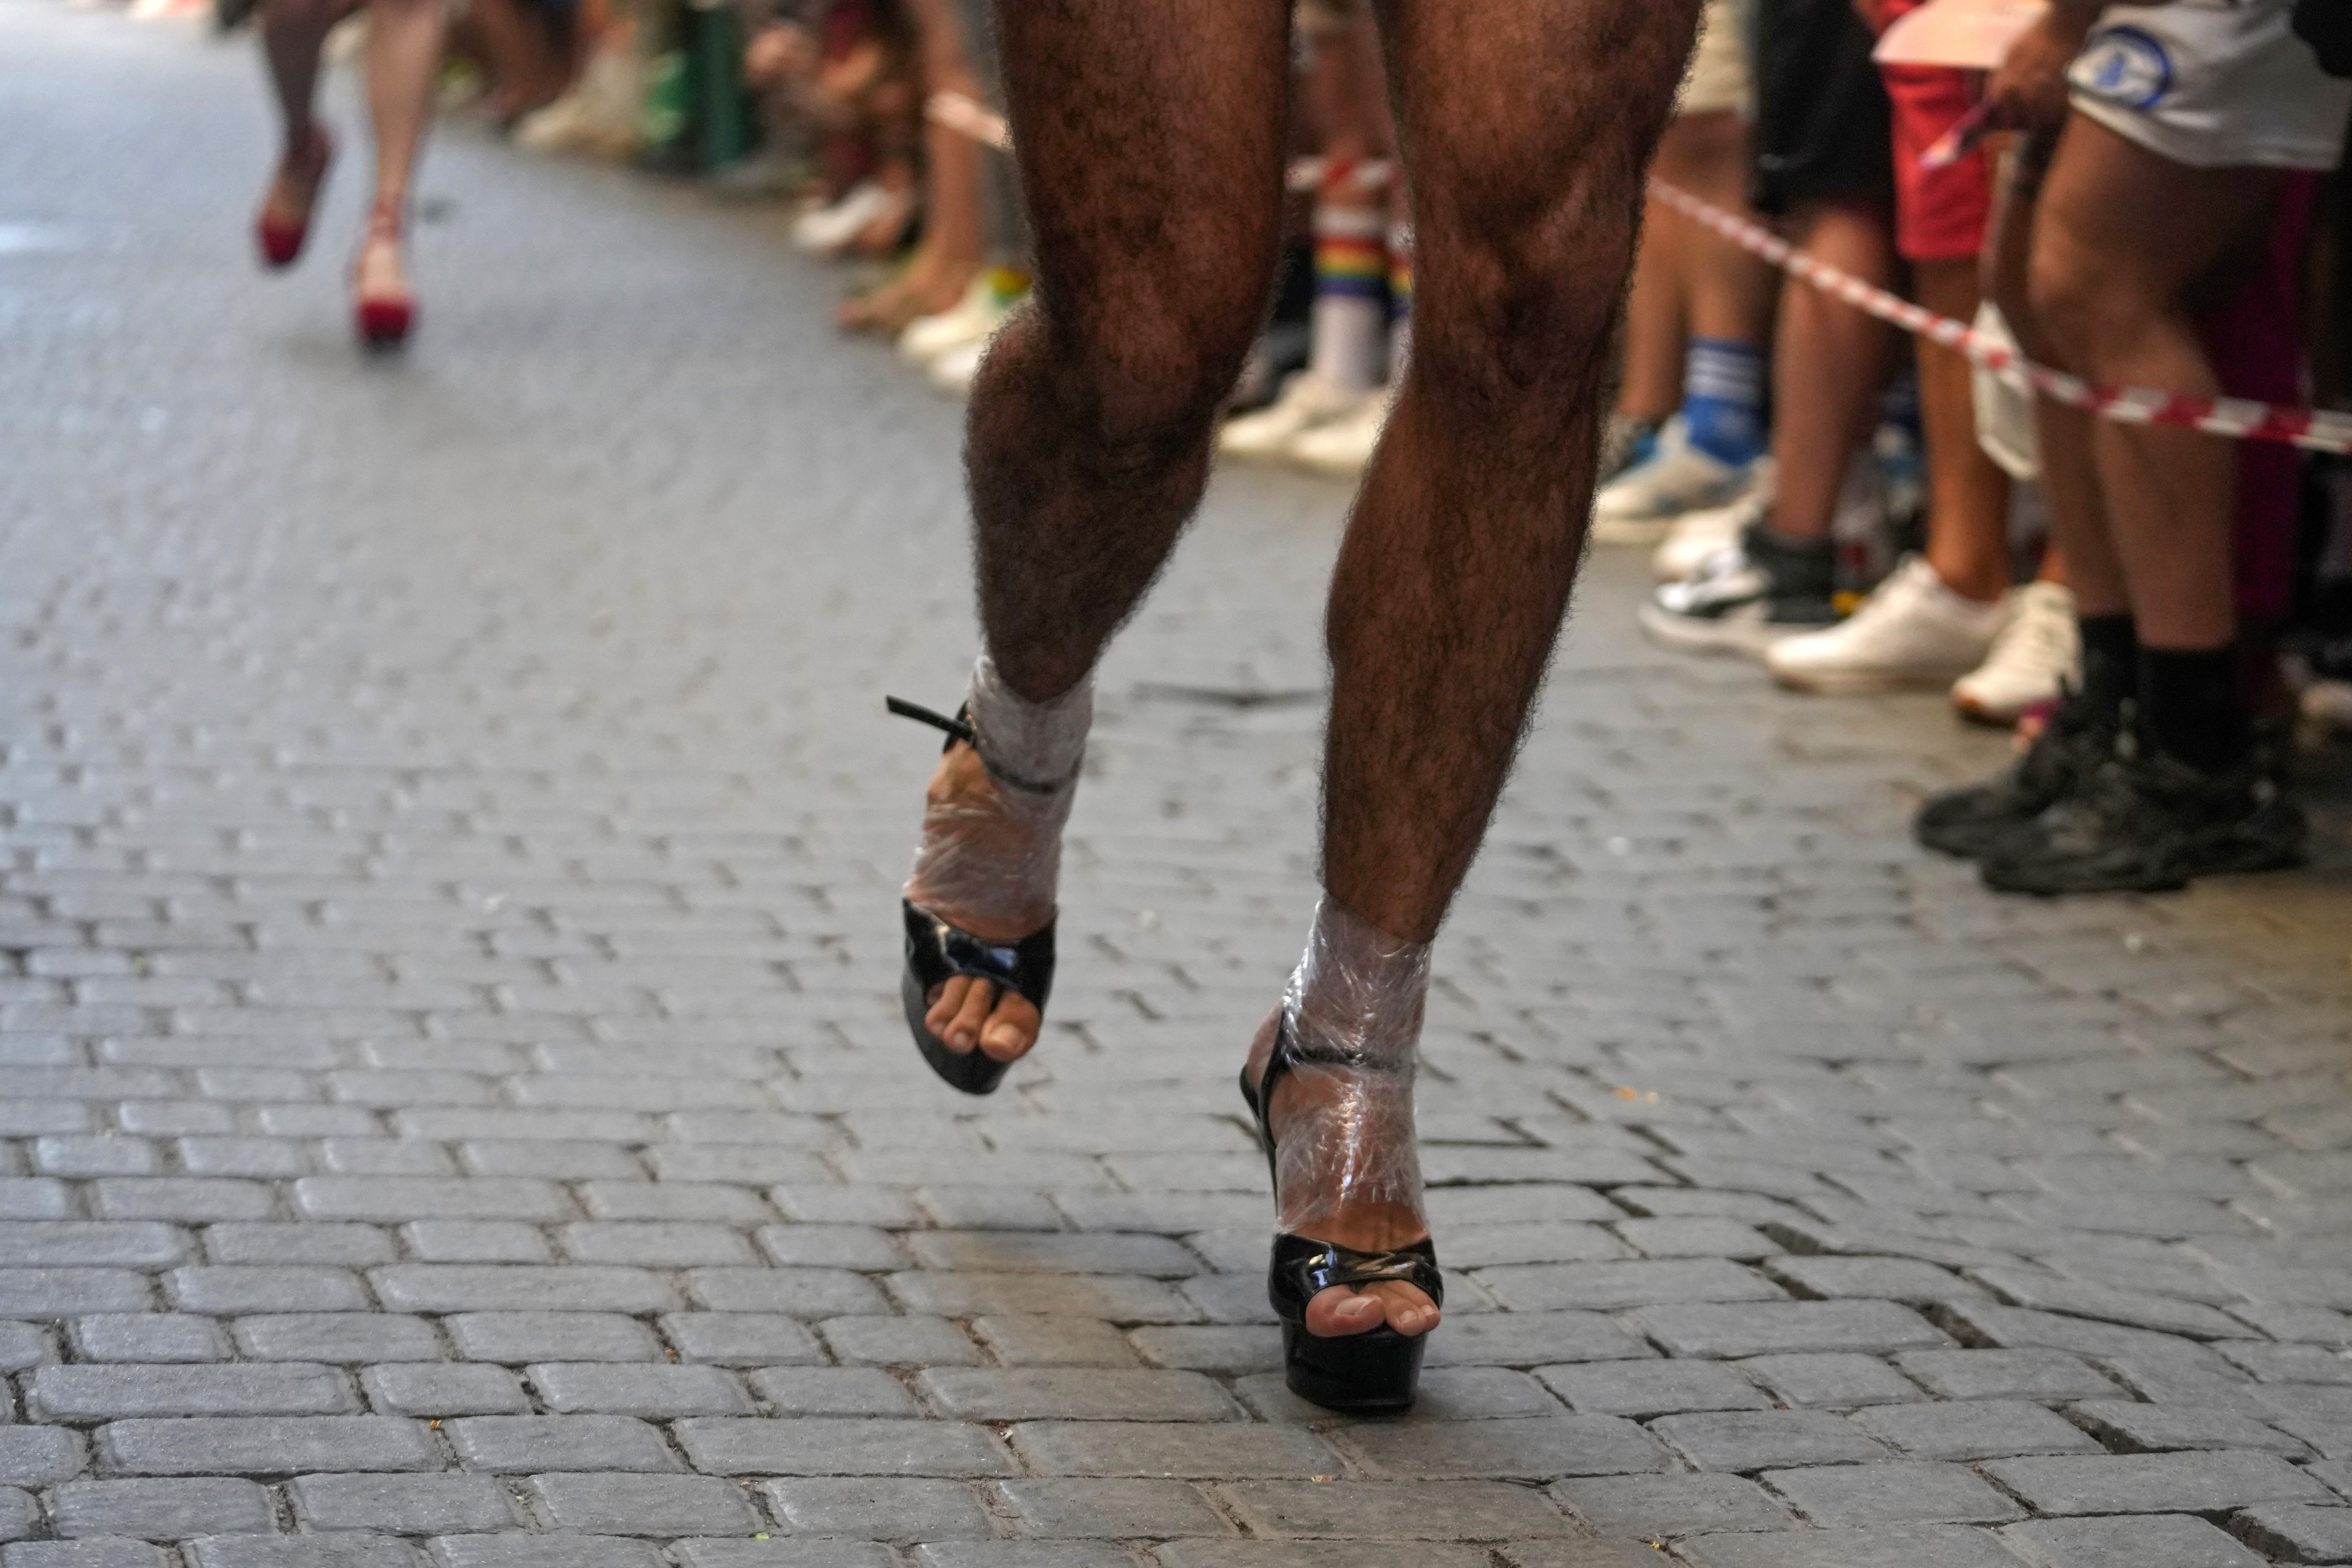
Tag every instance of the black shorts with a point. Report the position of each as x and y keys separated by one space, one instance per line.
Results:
x=1822 y=124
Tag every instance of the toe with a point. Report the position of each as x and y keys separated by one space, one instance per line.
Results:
x=947 y=1003
x=963 y=1029
x=1011 y=1027
x=1409 y=1309
x=1343 y=1310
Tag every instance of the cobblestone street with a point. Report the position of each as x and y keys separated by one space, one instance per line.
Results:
x=453 y=1104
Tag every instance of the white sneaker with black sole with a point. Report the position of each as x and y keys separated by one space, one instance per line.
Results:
x=1696 y=535
x=1746 y=597
x=2038 y=654
x=1912 y=631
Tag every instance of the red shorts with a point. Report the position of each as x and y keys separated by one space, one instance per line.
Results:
x=1940 y=215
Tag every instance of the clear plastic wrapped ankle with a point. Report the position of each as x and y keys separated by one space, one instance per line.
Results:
x=1353 y=1010
x=991 y=850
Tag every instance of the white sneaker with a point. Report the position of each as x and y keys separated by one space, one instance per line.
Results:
x=829 y=229
x=1342 y=447
x=1911 y=631
x=954 y=371
x=1639 y=505
x=2037 y=653
x=1696 y=535
x=598 y=117
x=969 y=320
x=1308 y=400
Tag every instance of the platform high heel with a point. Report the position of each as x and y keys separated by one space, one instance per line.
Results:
x=937 y=951
x=383 y=321
x=1380 y=1369
x=280 y=240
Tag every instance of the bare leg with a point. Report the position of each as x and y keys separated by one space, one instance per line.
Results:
x=954 y=240
x=1829 y=363
x=292 y=34
x=1968 y=502
x=404 y=38
x=2125 y=237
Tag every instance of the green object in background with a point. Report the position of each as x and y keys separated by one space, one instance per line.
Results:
x=664 y=118
x=720 y=108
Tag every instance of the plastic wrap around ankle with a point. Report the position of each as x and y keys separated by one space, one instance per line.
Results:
x=1353 y=1012
x=993 y=855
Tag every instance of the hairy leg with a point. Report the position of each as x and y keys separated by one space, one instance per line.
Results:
x=1967 y=500
x=1088 y=437
x=2125 y=238
x=1829 y=363
x=1528 y=126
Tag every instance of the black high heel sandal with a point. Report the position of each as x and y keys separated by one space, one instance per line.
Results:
x=1378 y=1369
x=937 y=951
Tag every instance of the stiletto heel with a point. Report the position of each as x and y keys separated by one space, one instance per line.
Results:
x=937 y=951
x=384 y=321
x=281 y=242
x=1378 y=1369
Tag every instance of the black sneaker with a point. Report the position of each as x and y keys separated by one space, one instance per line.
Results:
x=1745 y=598
x=1968 y=822
x=2147 y=823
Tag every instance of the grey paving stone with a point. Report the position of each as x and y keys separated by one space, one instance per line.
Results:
x=477 y=1241
x=402 y=1505
x=1974 y=1429
x=24 y=1345
x=1751 y=1440
x=1649 y=1508
x=1228 y=1553
x=1853 y=1494
x=1696 y=1236
x=346 y=1338
x=805 y=1293
x=1119 y=1299
x=918 y=1341
x=1607 y=1286
x=1187 y=1450
x=740 y=1338
x=68 y=1292
x=520 y=1287
x=147 y=1337
x=542 y=1552
x=436 y=1389
x=36 y=1455
x=1120 y=1508
x=2296 y=1533
x=513 y=1443
x=1533 y=1241
x=1645 y=1388
x=1022 y=1340
x=1396 y=1510
x=301 y=1552
x=832 y=1391
x=394 y=1200
x=662 y=1506
x=1912 y=1545
x=104 y=1393
x=20 y=1514
x=1842 y=1380
x=1072 y=1393
x=655 y=1244
x=2157 y=1541
x=1905 y=1280
x=1532 y=1339
x=352 y=1245
x=159 y=1510
x=1541 y=1448
x=82 y=1554
x=2004 y=1374
x=658 y=1391
x=881 y=1509
x=1765 y=1328
x=276 y=1445
x=520 y=1338
x=2057 y=1293
x=1020 y=1252
x=2154 y=1483
x=825 y=1446
x=802 y=1552
x=1019 y=1554
x=2125 y=1427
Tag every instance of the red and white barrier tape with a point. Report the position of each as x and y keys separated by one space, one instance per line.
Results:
x=2236 y=418
x=968 y=117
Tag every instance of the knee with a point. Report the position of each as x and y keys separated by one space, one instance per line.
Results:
x=2087 y=309
x=1145 y=374
x=1527 y=300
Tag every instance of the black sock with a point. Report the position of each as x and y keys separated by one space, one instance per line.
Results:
x=2110 y=663
x=2190 y=706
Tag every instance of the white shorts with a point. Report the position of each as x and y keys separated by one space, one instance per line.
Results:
x=1717 y=79
x=2215 y=84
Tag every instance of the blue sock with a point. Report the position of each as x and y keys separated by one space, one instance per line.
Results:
x=1722 y=399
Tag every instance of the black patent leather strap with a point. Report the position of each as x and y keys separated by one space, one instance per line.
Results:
x=1310 y=1266
x=938 y=951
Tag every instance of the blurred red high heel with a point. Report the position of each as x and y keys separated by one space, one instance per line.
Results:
x=282 y=239
x=384 y=319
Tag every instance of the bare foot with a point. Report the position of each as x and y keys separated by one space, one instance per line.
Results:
x=294 y=187
x=380 y=273
x=970 y=832
x=1306 y=1098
